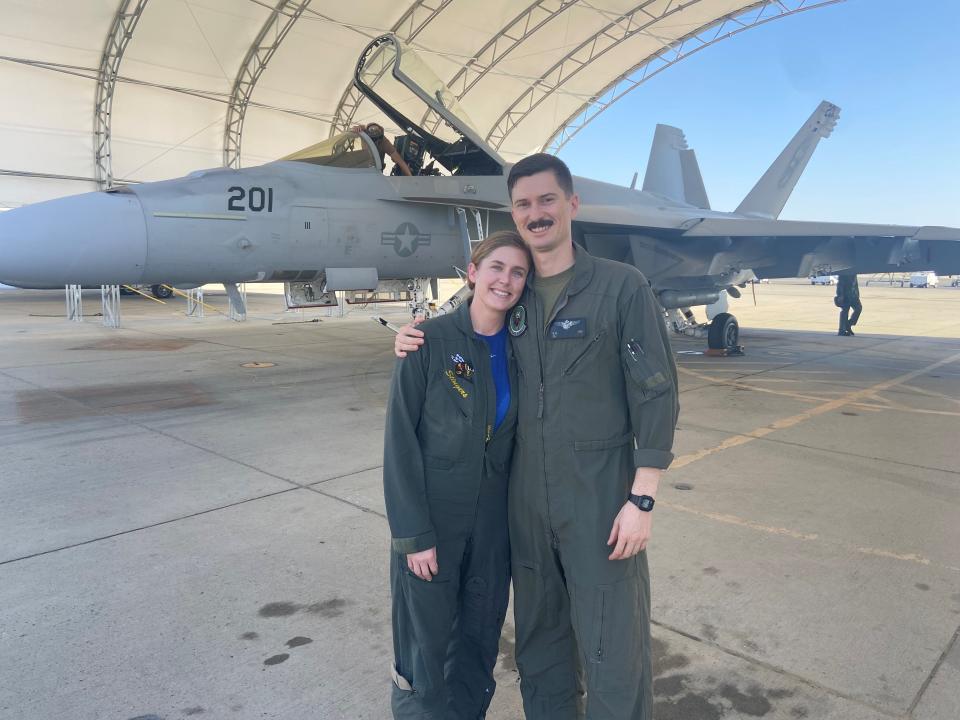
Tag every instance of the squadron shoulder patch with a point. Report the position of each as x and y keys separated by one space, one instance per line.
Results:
x=518 y=321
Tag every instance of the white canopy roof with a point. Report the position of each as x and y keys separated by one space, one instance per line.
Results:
x=137 y=90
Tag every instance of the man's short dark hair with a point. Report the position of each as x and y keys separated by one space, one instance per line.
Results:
x=541 y=162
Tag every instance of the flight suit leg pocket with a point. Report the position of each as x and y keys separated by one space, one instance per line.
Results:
x=421 y=612
x=614 y=662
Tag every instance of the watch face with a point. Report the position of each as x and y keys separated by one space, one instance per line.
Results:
x=646 y=503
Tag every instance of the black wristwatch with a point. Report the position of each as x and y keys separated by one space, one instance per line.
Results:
x=644 y=502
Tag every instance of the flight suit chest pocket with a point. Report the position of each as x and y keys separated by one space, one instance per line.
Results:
x=581 y=351
x=644 y=371
x=459 y=390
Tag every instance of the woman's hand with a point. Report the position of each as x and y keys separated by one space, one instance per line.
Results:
x=423 y=564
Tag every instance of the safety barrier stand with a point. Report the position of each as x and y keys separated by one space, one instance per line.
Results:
x=74 y=303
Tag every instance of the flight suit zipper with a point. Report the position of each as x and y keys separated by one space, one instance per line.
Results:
x=599 y=626
x=538 y=328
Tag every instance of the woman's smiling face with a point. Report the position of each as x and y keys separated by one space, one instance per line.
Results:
x=500 y=278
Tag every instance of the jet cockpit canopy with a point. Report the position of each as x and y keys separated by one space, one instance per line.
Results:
x=346 y=150
x=407 y=87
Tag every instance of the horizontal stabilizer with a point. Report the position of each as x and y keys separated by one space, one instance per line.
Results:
x=773 y=190
x=672 y=170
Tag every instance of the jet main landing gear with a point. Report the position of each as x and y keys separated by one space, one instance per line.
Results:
x=722 y=333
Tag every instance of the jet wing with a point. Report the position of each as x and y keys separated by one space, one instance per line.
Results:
x=690 y=225
x=638 y=216
x=759 y=227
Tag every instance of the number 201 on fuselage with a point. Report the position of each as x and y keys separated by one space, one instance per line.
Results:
x=257 y=199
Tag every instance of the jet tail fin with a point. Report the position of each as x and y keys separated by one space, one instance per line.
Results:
x=672 y=170
x=773 y=190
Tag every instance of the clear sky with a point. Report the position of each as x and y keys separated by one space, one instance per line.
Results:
x=893 y=67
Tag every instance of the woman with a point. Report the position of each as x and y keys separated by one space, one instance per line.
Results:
x=451 y=419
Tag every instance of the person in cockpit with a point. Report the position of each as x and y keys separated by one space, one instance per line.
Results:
x=374 y=131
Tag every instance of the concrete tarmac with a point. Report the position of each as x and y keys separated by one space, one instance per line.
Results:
x=181 y=535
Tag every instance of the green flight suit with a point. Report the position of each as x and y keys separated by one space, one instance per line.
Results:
x=848 y=298
x=598 y=398
x=445 y=472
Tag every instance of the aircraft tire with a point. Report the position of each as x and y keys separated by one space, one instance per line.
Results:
x=161 y=292
x=724 y=332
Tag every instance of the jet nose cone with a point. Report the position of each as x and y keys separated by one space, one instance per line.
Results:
x=91 y=239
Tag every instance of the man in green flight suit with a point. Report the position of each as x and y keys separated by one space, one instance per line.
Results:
x=597 y=411
x=848 y=298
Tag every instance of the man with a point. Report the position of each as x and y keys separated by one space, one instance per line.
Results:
x=597 y=411
x=848 y=296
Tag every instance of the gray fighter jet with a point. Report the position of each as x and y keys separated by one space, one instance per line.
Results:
x=328 y=217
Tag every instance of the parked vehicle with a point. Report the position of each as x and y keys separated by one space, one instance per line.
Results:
x=823 y=279
x=924 y=279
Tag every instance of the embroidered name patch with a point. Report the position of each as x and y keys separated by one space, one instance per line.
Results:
x=456 y=385
x=568 y=328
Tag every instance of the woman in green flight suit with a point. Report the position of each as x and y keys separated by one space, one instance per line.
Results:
x=451 y=419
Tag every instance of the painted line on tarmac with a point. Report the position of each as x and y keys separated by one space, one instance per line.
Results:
x=789 y=422
x=806 y=537
x=768 y=391
x=734 y=520
x=928 y=393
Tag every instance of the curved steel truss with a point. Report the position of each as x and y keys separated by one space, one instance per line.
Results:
x=414 y=20
x=121 y=32
x=499 y=46
x=283 y=17
x=704 y=37
x=628 y=25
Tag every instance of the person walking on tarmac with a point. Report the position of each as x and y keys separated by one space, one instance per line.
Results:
x=848 y=296
x=597 y=411
x=451 y=418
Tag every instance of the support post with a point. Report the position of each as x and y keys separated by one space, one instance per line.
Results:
x=237 y=293
x=74 y=304
x=195 y=302
x=110 y=305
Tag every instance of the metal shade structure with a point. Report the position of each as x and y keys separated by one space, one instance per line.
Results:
x=99 y=92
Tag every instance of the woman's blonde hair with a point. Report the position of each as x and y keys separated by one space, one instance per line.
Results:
x=494 y=241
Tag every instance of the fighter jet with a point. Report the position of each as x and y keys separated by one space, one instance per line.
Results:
x=329 y=217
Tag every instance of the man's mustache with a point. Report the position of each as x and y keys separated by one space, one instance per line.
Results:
x=541 y=223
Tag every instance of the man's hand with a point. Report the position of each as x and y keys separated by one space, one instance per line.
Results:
x=630 y=533
x=408 y=339
x=424 y=564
